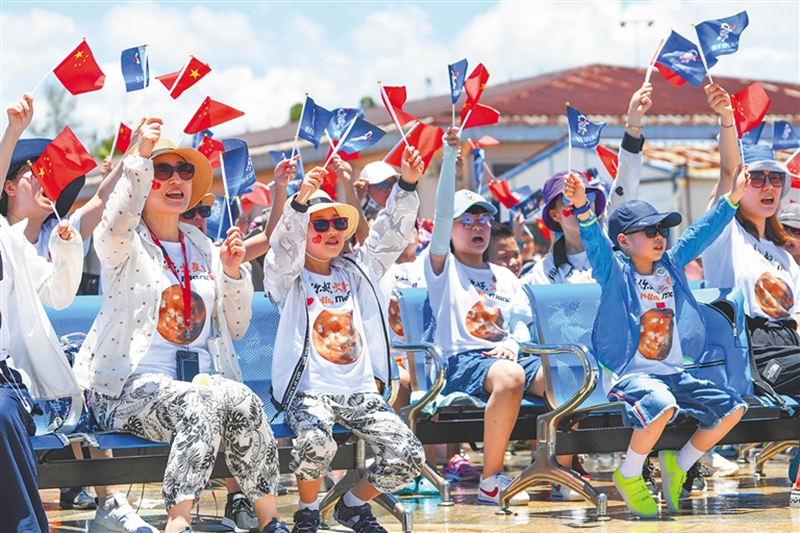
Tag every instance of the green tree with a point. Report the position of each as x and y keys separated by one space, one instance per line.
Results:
x=60 y=106
x=295 y=111
x=366 y=101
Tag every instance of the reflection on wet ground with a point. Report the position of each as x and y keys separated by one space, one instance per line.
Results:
x=734 y=504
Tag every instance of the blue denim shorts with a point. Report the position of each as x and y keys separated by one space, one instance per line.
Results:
x=647 y=396
x=467 y=371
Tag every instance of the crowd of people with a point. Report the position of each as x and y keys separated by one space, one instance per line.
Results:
x=159 y=360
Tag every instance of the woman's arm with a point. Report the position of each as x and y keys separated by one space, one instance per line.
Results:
x=57 y=283
x=720 y=101
x=445 y=195
x=257 y=245
x=20 y=114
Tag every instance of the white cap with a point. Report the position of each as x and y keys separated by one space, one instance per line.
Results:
x=378 y=172
x=466 y=199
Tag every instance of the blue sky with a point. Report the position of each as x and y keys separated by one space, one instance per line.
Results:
x=265 y=55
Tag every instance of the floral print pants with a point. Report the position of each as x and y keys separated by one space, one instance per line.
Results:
x=194 y=419
x=311 y=415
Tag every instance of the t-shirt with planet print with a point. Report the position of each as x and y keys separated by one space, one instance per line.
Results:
x=338 y=355
x=171 y=331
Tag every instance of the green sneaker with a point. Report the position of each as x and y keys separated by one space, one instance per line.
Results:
x=672 y=478
x=636 y=495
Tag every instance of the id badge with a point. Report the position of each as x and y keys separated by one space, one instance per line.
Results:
x=188 y=364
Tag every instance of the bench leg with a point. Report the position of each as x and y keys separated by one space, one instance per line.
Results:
x=440 y=483
x=744 y=451
x=772 y=449
x=393 y=505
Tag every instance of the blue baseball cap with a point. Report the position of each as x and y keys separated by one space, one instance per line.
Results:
x=636 y=214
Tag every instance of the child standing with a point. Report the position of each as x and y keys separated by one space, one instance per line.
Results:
x=644 y=287
x=333 y=342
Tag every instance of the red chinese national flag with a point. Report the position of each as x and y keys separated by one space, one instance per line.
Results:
x=609 y=159
x=189 y=75
x=258 y=196
x=794 y=170
x=476 y=83
x=79 y=72
x=750 y=106
x=211 y=149
x=481 y=115
x=123 y=139
x=329 y=183
x=64 y=160
x=341 y=153
x=673 y=79
x=502 y=192
x=211 y=113
x=424 y=137
x=396 y=99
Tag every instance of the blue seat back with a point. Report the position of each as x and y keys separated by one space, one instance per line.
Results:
x=419 y=326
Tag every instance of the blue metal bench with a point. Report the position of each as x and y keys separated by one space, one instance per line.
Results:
x=138 y=460
x=564 y=316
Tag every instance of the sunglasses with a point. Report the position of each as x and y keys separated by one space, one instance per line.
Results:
x=385 y=185
x=591 y=197
x=790 y=230
x=202 y=210
x=321 y=225
x=651 y=231
x=758 y=178
x=468 y=220
x=164 y=171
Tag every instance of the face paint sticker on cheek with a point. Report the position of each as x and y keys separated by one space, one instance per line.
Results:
x=155 y=185
x=317 y=239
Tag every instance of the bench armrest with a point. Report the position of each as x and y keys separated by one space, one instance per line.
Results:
x=412 y=412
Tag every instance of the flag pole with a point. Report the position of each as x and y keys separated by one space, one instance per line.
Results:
x=58 y=217
x=40 y=82
x=390 y=109
x=569 y=146
x=705 y=65
x=225 y=186
x=299 y=123
x=174 y=84
x=653 y=62
x=396 y=146
x=466 y=119
x=114 y=144
x=453 y=107
x=146 y=78
x=738 y=138
x=341 y=142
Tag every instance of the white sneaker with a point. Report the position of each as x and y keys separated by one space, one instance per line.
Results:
x=489 y=491
x=718 y=465
x=563 y=493
x=794 y=498
x=117 y=516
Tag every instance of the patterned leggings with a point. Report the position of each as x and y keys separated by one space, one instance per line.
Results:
x=398 y=452
x=194 y=419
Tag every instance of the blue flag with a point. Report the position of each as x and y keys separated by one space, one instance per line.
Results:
x=478 y=164
x=197 y=138
x=458 y=73
x=582 y=133
x=751 y=137
x=720 y=37
x=135 y=68
x=281 y=155
x=342 y=117
x=313 y=122
x=362 y=135
x=239 y=173
x=217 y=223
x=783 y=136
x=680 y=55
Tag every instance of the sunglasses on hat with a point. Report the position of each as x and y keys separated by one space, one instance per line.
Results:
x=758 y=178
x=321 y=225
x=202 y=210
x=164 y=171
x=650 y=231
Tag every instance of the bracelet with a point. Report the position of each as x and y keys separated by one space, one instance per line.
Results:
x=582 y=209
x=637 y=128
x=721 y=125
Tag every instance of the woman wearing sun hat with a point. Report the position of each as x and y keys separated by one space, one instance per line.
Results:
x=172 y=301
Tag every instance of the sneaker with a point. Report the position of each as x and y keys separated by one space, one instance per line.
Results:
x=489 y=491
x=794 y=497
x=695 y=480
x=408 y=488
x=563 y=493
x=275 y=526
x=117 y=516
x=239 y=514
x=718 y=466
x=425 y=487
x=648 y=473
x=306 y=521
x=793 y=467
x=636 y=495
x=672 y=478
x=76 y=498
x=459 y=470
x=359 y=518
x=577 y=466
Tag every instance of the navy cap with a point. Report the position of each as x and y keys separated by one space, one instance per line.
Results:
x=554 y=188
x=636 y=214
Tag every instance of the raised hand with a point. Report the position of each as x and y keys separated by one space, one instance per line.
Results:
x=285 y=171
x=719 y=99
x=412 y=165
x=149 y=134
x=343 y=169
x=311 y=183
x=232 y=252
x=741 y=180
x=20 y=113
x=452 y=137
x=66 y=231
x=640 y=103
x=575 y=190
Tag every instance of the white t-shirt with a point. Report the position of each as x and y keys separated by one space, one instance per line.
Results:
x=400 y=275
x=6 y=287
x=766 y=273
x=474 y=307
x=659 y=351
x=171 y=333
x=576 y=269
x=338 y=355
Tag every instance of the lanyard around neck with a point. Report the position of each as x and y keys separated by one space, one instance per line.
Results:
x=186 y=289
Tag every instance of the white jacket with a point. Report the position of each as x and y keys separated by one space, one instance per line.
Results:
x=35 y=350
x=388 y=237
x=131 y=275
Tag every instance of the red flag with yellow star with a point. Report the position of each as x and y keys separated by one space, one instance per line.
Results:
x=210 y=114
x=476 y=83
x=62 y=162
x=396 y=97
x=478 y=115
x=750 y=106
x=79 y=72
x=426 y=138
x=211 y=149
x=189 y=75
x=123 y=141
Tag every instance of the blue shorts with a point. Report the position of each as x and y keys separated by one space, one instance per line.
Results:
x=467 y=371
x=648 y=396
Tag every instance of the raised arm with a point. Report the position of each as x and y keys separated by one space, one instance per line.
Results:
x=445 y=195
x=57 y=283
x=285 y=171
x=598 y=247
x=720 y=101
x=20 y=114
x=345 y=173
